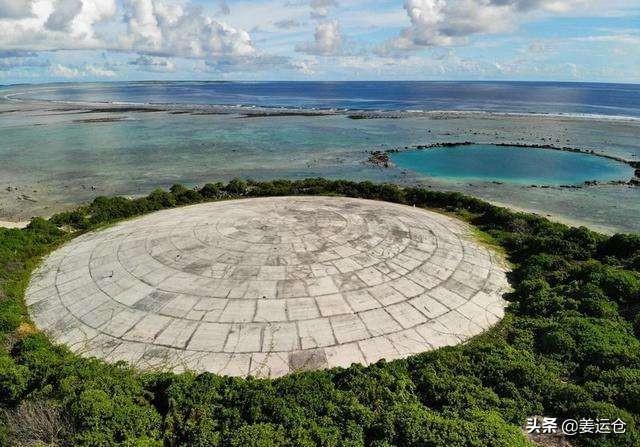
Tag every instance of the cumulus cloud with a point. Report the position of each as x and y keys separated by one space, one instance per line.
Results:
x=173 y=30
x=70 y=72
x=327 y=41
x=232 y=64
x=306 y=67
x=16 y=9
x=15 y=53
x=317 y=4
x=538 y=47
x=83 y=25
x=626 y=38
x=172 y=35
x=256 y=64
x=320 y=8
x=152 y=27
x=64 y=71
x=287 y=24
x=70 y=27
x=99 y=72
x=13 y=59
x=65 y=11
x=451 y=22
x=154 y=64
x=223 y=8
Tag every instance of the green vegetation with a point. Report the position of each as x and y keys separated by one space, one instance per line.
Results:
x=568 y=347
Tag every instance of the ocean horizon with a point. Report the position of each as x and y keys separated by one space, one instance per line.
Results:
x=535 y=97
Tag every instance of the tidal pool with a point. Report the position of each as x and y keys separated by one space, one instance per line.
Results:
x=512 y=164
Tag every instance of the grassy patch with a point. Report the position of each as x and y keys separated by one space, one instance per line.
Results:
x=488 y=241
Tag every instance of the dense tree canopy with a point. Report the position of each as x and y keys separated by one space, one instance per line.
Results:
x=569 y=347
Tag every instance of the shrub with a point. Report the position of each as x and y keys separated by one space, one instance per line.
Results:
x=567 y=347
x=43 y=227
x=415 y=426
x=10 y=315
x=211 y=190
x=622 y=247
x=178 y=189
x=606 y=411
x=591 y=341
x=105 y=209
x=621 y=286
x=536 y=297
x=259 y=435
x=620 y=387
x=13 y=380
x=184 y=196
x=237 y=187
x=74 y=219
x=160 y=199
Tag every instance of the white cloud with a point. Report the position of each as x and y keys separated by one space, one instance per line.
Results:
x=152 y=27
x=244 y=64
x=320 y=8
x=88 y=70
x=92 y=13
x=158 y=28
x=178 y=36
x=99 y=72
x=65 y=11
x=538 y=47
x=317 y=4
x=446 y=64
x=64 y=71
x=223 y=8
x=287 y=24
x=10 y=60
x=327 y=41
x=414 y=66
x=142 y=23
x=451 y=22
x=72 y=28
x=16 y=9
x=154 y=64
x=306 y=67
x=625 y=39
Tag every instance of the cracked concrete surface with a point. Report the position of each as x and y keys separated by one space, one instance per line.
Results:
x=268 y=286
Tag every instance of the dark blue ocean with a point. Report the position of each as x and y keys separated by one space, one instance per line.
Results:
x=511 y=97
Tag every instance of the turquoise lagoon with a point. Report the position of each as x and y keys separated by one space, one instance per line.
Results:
x=513 y=164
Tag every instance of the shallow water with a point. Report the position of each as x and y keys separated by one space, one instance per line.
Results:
x=55 y=156
x=520 y=165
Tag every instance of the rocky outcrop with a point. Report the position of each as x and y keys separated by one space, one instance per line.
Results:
x=380 y=158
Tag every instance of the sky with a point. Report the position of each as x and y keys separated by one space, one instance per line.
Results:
x=114 y=40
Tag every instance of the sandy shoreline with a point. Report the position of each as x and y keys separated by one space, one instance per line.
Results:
x=558 y=218
x=7 y=224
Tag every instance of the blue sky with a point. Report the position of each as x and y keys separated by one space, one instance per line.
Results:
x=111 y=40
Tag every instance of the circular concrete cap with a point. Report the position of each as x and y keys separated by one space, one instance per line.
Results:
x=268 y=286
